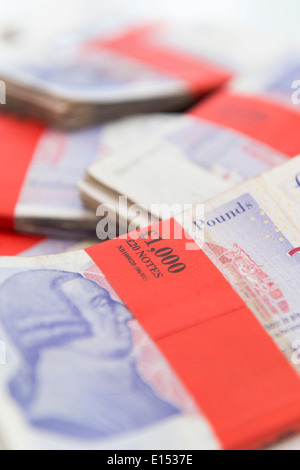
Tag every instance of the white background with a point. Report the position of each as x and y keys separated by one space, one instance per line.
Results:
x=272 y=15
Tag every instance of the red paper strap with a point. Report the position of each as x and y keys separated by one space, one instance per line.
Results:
x=241 y=381
x=257 y=117
x=18 y=140
x=12 y=244
x=200 y=75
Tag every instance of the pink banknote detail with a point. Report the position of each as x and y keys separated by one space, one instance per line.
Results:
x=251 y=279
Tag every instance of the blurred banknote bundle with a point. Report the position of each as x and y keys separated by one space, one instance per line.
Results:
x=233 y=135
x=41 y=168
x=99 y=358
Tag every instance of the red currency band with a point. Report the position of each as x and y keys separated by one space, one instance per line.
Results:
x=200 y=75
x=18 y=141
x=12 y=244
x=269 y=122
x=240 y=380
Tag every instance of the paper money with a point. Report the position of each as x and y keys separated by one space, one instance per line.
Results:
x=277 y=80
x=98 y=356
x=252 y=235
x=14 y=244
x=40 y=195
x=81 y=371
x=211 y=158
x=120 y=70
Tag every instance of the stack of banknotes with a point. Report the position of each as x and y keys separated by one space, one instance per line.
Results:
x=125 y=67
x=42 y=166
x=182 y=329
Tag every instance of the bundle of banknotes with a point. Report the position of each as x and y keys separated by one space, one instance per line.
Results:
x=182 y=330
x=125 y=67
x=111 y=73
x=41 y=168
x=107 y=349
x=192 y=157
x=16 y=244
